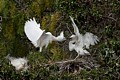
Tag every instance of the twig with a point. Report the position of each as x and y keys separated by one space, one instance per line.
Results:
x=73 y=64
x=117 y=58
x=77 y=56
x=0 y=27
x=69 y=29
x=0 y=18
x=59 y=62
x=62 y=62
x=18 y=2
x=57 y=28
x=110 y=18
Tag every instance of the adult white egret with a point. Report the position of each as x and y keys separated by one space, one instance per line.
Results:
x=79 y=42
x=18 y=63
x=39 y=37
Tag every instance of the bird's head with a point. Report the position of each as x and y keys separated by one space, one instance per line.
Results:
x=61 y=37
x=72 y=36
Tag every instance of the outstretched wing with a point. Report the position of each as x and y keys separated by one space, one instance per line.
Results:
x=33 y=31
x=90 y=39
x=76 y=30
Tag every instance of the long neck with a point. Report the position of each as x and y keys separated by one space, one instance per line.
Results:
x=71 y=45
x=58 y=38
x=54 y=38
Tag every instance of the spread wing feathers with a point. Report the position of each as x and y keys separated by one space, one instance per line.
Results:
x=33 y=31
x=81 y=51
x=90 y=39
x=76 y=30
x=80 y=41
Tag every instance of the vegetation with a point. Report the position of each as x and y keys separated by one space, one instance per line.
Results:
x=100 y=17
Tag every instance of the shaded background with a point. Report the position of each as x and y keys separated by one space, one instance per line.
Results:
x=100 y=17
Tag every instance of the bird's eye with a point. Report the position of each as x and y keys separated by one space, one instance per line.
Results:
x=74 y=43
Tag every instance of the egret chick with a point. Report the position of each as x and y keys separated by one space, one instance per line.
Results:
x=79 y=42
x=39 y=37
x=18 y=63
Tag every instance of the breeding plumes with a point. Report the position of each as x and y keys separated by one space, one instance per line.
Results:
x=18 y=63
x=79 y=42
x=39 y=37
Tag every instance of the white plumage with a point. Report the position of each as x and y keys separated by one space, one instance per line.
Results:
x=79 y=42
x=18 y=63
x=47 y=38
x=39 y=37
x=33 y=31
x=90 y=39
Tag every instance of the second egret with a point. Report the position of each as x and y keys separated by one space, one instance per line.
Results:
x=79 y=42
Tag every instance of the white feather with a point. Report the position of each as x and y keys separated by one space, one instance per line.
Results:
x=39 y=37
x=71 y=45
x=76 y=30
x=33 y=31
x=90 y=39
x=18 y=63
x=47 y=38
x=61 y=37
x=80 y=41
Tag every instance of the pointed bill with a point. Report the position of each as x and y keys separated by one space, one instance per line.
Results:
x=61 y=37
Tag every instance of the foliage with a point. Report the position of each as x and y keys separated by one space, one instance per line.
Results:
x=2 y=4
x=100 y=17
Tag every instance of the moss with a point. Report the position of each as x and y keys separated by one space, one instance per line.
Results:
x=9 y=32
x=57 y=53
x=54 y=19
x=49 y=22
x=45 y=22
x=12 y=9
x=2 y=5
x=2 y=49
x=49 y=4
x=37 y=8
x=20 y=22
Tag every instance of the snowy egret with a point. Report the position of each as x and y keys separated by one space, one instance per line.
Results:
x=18 y=63
x=79 y=42
x=39 y=37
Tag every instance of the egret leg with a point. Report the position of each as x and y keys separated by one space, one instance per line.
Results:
x=76 y=56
